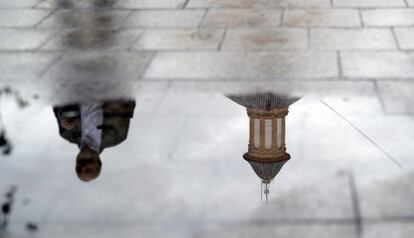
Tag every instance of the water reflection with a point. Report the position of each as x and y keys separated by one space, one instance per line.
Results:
x=92 y=29
x=267 y=149
x=5 y=144
x=94 y=126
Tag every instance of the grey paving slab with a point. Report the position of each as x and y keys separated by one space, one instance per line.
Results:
x=99 y=66
x=256 y=3
x=18 y=3
x=70 y=4
x=148 y=4
x=93 y=39
x=23 y=39
x=405 y=37
x=322 y=17
x=369 y=3
x=21 y=17
x=112 y=230
x=390 y=197
x=387 y=64
x=24 y=65
x=291 y=204
x=280 y=39
x=239 y=18
x=272 y=230
x=95 y=19
x=144 y=206
x=352 y=39
x=388 y=17
x=207 y=65
x=180 y=39
x=397 y=96
x=395 y=229
x=165 y=18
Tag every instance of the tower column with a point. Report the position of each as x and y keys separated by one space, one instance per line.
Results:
x=262 y=134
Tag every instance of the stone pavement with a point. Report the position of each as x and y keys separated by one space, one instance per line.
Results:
x=180 y=173
x=213 y=39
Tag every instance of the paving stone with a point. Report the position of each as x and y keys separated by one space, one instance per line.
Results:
x=165 y=18
x=369 y=3
x=387 y=64
x=205 y=65
x=246 y=39
x=99 y=66
x=21 y=17
x=256 y=3
x=405 y=38
x=227 y=18
x=179 y=39
x=94 y=39
x=70 y=4
x=24 y=65
x=352 y=39
x=96 y=19
x=388 y=17
x=322 y=17
x=18 y=3
x=389 y=197
x=288 y=204
x=145 y=4
x=303 y=202
x=23 y=39
x=396 y=96
x=272 y=230
x=395 y=229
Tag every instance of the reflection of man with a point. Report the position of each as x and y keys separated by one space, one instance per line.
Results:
x=94 y=127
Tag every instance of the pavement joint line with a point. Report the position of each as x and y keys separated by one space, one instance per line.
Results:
x=406 y=3
x=222 y=40
x=50 y=65
x=361 y=18
x=394 y=35
x=50 y=38
x=185 y=4
x=282 y=17
x=135 y=41
x=339 y=64
x=36 y=4
x=384 y=152
x=178 y=139
x=147 y=65
x=44 y=19
x=203 y=18
x=379 y=95
x=355 y=204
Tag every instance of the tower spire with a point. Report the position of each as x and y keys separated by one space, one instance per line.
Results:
x=264 y=190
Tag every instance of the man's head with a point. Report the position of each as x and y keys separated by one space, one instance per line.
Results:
x=88 y=164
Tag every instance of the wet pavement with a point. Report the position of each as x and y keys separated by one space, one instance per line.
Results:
x=206 y=118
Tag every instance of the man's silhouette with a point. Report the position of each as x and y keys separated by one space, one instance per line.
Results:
x=94 y=127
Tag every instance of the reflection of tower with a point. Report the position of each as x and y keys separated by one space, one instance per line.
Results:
x=267 y=149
